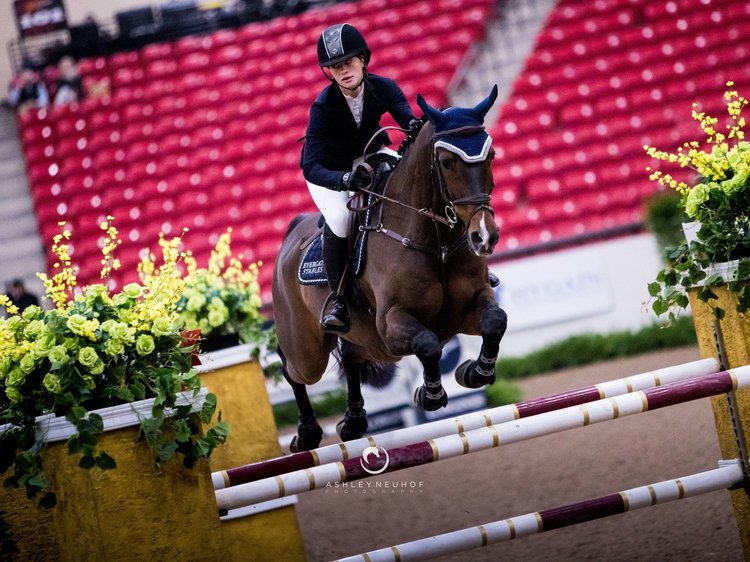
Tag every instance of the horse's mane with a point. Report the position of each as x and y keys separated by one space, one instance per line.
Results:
x=412 y=135
x=295 y=221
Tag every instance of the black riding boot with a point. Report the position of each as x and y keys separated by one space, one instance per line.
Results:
x=335 y=255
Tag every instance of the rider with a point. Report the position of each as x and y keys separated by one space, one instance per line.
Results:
x=343 y=119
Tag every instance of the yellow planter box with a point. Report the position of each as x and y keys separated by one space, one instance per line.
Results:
x=735 y=331
x=240 y=389
x=129 y=513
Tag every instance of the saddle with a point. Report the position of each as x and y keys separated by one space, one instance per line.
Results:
x=310 y=270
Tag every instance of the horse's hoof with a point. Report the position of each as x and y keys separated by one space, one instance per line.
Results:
x=308 y=437
x=468 y=377
x=429 y=403
x=351 y=427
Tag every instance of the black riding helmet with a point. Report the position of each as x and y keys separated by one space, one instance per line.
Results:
x=339 y=43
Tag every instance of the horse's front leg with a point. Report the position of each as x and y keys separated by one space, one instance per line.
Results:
x=492 y=325
x=405 y=335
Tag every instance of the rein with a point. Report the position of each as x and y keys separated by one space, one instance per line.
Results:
x=481 y=200
x=448 y=220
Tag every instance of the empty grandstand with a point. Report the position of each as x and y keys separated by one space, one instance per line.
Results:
x=201 y=131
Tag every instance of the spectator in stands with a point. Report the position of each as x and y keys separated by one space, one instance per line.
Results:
x=343 y=119
x=27 y=90
x=69 y=83
x=20 y=296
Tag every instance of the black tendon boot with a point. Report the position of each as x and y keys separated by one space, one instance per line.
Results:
x=335 y=255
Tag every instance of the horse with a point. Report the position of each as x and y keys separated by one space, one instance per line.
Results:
x=425 y=277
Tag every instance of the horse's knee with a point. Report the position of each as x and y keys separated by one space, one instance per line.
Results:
x=426 y=346
x=493 y=322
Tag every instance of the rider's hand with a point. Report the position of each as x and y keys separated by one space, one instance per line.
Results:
x=356 y=180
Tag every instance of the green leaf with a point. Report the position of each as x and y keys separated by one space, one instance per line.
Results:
x=37 y=481
x=125 y=394
x=105 y=462
x=87 y=462
x=660 y=306
x=209 y=407
x=95 y=423
x=201 y=448
x=719 y=312
x=139 y=390
x=74 y=444
x=181 y=431
x=654 y=289
x=48 y=500
x=167 y=451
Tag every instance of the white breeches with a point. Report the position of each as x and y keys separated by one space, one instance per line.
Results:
x=332 y=204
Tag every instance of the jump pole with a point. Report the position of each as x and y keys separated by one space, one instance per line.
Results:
x=480 y=439
x=467 y=422
x=728 y=475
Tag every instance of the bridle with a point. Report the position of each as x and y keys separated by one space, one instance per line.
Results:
x=480 y=200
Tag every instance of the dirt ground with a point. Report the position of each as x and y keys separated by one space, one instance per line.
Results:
x=544 y=473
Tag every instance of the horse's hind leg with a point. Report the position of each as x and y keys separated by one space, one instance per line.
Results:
x=492 y=322
x=354 y=424
x=309 y=433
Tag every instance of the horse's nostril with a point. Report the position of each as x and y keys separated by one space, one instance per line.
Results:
x=476 y=239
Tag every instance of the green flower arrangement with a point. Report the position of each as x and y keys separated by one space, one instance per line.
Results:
x=222 y=299
x=719 y=202
x=95 y=349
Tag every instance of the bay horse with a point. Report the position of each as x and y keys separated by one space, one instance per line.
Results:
x=425 y=278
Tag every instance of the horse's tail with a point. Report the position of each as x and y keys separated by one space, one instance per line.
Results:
x=375 y=374
x=295 y=221
x=378 y=375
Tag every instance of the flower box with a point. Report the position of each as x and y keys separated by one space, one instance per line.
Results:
x=132 y=512
x=269 y=531
x=716 y=196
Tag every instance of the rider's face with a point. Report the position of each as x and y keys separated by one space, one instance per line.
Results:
x=348 y=73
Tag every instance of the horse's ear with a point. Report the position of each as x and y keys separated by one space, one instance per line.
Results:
x=484 y=106
x=434 y=115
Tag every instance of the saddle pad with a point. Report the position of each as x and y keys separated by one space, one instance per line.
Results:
x=311 y=271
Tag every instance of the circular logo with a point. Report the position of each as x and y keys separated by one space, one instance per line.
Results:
x=365 y=460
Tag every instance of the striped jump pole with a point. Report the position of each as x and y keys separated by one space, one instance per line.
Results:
x=728 y=475
x=467 y=422
x=483 y=438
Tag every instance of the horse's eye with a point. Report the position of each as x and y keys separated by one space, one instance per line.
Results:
x=447 y=164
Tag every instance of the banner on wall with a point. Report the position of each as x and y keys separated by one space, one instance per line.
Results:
x=36 y=17
x=554 y=288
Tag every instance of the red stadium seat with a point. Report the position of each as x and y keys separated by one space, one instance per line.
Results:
x=156 y=51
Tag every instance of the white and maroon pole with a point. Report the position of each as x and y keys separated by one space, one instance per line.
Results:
x=483 y=438
x=728 y=475
x=451 y=426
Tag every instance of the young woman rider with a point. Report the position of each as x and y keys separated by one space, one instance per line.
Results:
x=343 y=119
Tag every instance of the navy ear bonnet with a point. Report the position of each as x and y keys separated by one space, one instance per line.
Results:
x=472 y=147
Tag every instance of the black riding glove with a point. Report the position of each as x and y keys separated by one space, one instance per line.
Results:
x=356 y=180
